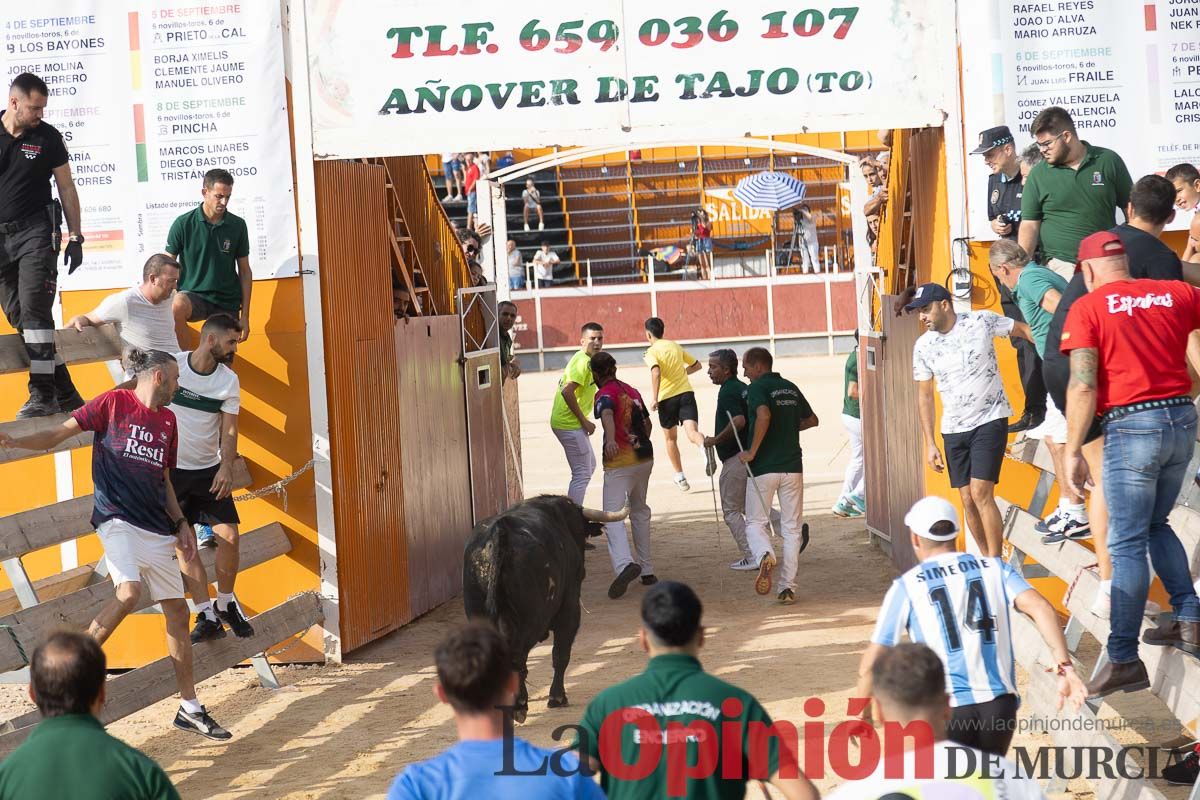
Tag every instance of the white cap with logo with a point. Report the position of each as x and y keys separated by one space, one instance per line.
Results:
x=928 y=511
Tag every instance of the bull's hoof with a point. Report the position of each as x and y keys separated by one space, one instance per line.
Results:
x=557 y=702
x=519 y=715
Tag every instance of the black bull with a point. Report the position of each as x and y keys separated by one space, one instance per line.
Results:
x=523 y=571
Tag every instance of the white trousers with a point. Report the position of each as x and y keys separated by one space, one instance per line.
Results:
x=854 y=485
x=622 y=484
x=580 y=457
x=790 y=488
x=732 y=486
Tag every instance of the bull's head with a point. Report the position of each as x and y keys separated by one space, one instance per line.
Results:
x=597 y=519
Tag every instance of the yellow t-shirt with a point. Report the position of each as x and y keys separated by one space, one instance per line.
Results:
x=672 y=362
x=578 y=371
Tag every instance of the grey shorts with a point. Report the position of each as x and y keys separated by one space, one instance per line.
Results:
x=202 y=309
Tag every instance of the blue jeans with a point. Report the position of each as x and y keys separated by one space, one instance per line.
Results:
x=516 y=281
x=1145 y=457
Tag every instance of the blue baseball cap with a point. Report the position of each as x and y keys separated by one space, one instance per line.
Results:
x=928 y=293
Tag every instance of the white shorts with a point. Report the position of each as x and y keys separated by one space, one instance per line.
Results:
x=1054 y=427
x=134 y=554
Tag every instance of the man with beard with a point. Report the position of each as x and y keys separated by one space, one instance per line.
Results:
x=207 y=405
x=136 y=515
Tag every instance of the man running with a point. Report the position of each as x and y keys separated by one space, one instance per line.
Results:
x=136 y=515
x=671 y=394
x=206 y=407
x=957 y=350
x=777 y=411
x=957 y=604
x=568 y=420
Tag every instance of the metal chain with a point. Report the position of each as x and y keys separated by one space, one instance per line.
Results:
x=277 y=487
x=17 y=642
x=297 y=639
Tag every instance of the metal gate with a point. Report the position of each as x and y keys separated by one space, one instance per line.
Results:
x=483 y=394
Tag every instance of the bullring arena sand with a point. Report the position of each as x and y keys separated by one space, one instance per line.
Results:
x=344 y=731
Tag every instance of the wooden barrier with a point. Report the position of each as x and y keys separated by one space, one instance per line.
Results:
x=30 y=625
x=102 y=343
x=139 y=688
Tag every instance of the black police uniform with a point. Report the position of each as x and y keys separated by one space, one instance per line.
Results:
x=1004 y=201
x=28 y=259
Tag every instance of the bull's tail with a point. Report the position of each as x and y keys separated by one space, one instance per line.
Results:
x=499 y=546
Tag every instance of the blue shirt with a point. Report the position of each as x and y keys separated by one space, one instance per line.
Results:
x=957 y=604
x=467 y=771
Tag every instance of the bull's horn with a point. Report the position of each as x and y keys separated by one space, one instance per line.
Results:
x=592 y=515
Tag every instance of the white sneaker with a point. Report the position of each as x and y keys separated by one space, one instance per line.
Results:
x=527 y=227
x=1101 y=605
x=683 y=484
x=745 y=565
x=541 y=226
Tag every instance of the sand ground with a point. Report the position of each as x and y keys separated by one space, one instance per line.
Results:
x=344 y=731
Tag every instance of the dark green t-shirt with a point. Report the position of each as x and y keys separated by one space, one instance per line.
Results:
x=850 y=405
x=72 y=756
x=1072 y=204
x=731 y=399
x=208 y=255
x=676 y=691
x=780 y=449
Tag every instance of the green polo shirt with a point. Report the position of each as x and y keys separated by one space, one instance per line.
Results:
x=1033 y=284
x=208 y=254
x=731 y=399
x=676 y=691
x=1072 y=204
x=72 y=756
x=850 y=405
x=780 y=449
x=579 y=372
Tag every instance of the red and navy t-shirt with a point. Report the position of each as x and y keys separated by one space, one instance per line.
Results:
x=631 y=433
x=131 y=452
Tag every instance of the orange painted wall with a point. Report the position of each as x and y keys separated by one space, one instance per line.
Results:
x=275 y=441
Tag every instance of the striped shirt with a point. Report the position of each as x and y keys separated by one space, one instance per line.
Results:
x=957 y=604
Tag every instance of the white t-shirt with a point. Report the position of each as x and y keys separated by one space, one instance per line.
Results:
x=144 y=325
x=963 y=362
x=516 y=264
x=999 y=780
x=543 y=264
x=198 y=406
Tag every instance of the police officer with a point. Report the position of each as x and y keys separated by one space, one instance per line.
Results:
x=999 y=152
x=30 y=152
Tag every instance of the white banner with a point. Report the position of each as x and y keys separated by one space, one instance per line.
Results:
x=149 y=95
x=394 y=77
x=1128 y=72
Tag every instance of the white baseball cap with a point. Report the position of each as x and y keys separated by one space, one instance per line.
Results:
x=928 y=511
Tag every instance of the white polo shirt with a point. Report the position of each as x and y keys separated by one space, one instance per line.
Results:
x=198 y=405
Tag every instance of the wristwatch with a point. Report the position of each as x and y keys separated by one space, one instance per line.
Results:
x=75 y=237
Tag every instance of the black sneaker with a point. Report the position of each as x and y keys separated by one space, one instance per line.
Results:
x=1073 y=529
x=787 y=597
x=649 y=580
x=38 y=406
x=69 y=402
x=232 y=616
x=1028 y=421
x=1185 y=772
x=710 y=461
x=207 y=629
x=623 y=580
x=803 y=538
x=200 y=723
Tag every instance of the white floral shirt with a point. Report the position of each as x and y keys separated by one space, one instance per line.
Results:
x=963 y=362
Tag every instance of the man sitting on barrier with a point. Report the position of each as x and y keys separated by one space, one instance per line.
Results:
x=136 y=515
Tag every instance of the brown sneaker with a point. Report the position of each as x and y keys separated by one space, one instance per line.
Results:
x=762 y=584
x=1112 y=677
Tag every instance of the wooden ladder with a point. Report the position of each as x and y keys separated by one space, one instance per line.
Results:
x=406 y=266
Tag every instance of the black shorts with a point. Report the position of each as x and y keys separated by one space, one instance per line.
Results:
x=985 y=726
x=976 y=453
x=197 y=502
x=675 y=410
x=1056 y=373
x=203 y=308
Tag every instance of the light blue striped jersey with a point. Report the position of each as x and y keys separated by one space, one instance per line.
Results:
x=957 y=604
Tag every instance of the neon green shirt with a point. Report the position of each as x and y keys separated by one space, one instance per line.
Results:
x=579 y=372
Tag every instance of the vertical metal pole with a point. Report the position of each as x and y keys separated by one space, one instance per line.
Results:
x=829 y=312
x=653 y=291
x=589 y=274
x=771 y=300
x=537 y=304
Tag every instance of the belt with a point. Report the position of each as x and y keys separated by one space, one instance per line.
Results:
x=22 y=224
x=1117 y=413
